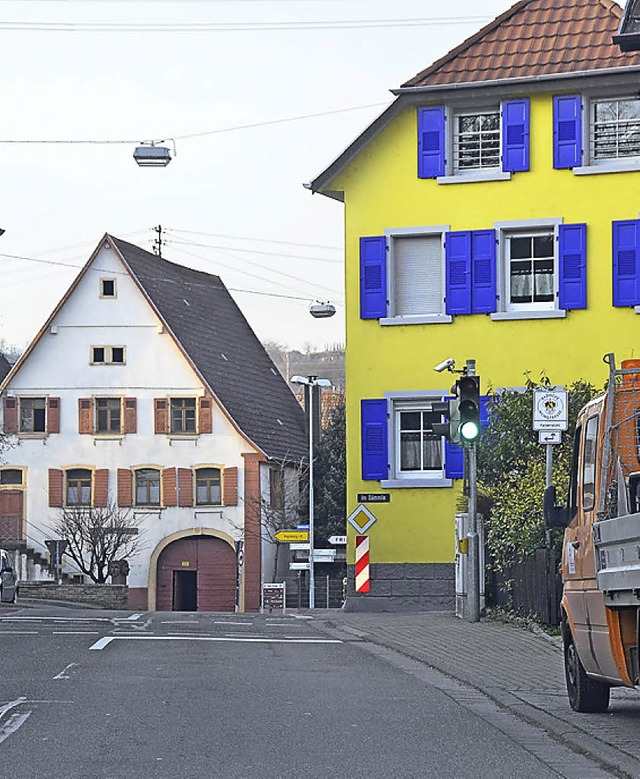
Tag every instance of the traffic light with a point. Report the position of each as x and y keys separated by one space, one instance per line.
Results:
x=449 y=410
x=469 y=408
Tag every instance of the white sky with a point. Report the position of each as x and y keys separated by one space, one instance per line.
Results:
x=58 y=200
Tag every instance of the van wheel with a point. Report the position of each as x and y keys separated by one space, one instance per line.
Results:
x=585 y=694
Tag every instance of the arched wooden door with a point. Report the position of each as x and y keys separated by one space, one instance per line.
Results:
x=197 y=573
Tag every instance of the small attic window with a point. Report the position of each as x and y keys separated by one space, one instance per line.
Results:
x=107 y=288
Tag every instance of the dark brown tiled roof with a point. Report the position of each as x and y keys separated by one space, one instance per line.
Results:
x=535 y=38
x=212 y=330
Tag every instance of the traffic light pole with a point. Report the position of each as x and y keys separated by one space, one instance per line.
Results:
x=473 y=541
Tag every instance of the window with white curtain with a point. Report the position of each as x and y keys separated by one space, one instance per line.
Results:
x=418 y=450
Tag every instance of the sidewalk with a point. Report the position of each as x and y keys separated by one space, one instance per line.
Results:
x=519 y=670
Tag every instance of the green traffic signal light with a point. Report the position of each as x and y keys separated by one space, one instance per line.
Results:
x=469 y=407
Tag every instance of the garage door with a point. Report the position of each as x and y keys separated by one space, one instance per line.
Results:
x=197 y=574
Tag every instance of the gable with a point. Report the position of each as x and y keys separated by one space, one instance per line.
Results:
x=535 y=38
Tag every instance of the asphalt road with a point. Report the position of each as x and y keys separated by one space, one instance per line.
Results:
x=98 y=695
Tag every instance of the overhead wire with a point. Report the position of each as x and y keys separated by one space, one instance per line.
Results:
x=247 y=238
x=252 y=251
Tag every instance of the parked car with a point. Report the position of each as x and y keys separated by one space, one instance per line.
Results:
x=9 y=584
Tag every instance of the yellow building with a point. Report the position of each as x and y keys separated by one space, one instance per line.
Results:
x=491 y=213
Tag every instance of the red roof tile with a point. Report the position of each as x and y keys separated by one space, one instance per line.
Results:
x=535 y=38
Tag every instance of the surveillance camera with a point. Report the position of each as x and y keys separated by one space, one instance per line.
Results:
x=446 y=364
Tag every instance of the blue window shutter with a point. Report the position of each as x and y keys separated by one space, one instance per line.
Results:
x=374 y=439
x=453 y=461
x=485 y=402
x=567 y=131
x=626 y=242
x=431 y=142
x=458 y=267
x=572 y=256
x=373 y=277
x=515 y=135
x=483 y=258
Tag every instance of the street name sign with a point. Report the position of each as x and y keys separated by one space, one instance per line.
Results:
x=295 y=536
x=300 y=547
x=550 y=409
x=338 y=540
x=374 y=497
x=299 y=566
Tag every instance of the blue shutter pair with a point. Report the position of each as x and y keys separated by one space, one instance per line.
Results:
x=470 y=258
x=567 y=131
x=626 y=265
x=432 y=139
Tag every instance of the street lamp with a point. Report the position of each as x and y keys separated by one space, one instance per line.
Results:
x=148 y=155
x=311 y=382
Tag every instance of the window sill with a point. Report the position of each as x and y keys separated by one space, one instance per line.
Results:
x=415 y=483
x=427 y=319
x=182 y=436
x=470 y=178
x=32 y=436
x=513 y=315
x=607 y=167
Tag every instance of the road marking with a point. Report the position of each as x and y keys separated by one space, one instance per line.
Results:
x=12 y=724
x=179 y=622
x=18 y=632
x=75 y=632
x=130 y=618
x=228 y=622
x=106 y=640
x=54 y=619
x=63 y=674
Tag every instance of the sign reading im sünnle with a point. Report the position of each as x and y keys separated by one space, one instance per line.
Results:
x=374 y=497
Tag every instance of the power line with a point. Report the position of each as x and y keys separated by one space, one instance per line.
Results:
x=105 y=141
x=259 y=240
x=253 y=251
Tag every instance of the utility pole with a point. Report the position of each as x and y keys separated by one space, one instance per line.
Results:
x=157 y=244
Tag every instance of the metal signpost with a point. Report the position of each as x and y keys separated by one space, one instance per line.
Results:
x=273 y=596
x=550 y=419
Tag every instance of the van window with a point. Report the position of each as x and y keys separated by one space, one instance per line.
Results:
x=573 y=487
x=589 y=465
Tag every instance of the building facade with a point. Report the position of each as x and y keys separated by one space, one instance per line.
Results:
x=147 y=393
x=489 y=215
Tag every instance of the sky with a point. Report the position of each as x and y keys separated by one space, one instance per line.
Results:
x=218 y=80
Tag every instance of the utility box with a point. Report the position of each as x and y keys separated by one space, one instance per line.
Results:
x=462 y=528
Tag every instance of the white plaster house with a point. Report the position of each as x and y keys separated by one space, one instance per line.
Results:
x=147 y=386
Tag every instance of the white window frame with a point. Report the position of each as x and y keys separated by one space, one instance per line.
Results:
x=405 y=401
x=391 y=235
x=590 y=165
x=506 y=309
x=455 y=139
x=108 y=355
x=631 y=159
x=103 y=296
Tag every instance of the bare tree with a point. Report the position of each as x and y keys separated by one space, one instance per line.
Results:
x=98 y=535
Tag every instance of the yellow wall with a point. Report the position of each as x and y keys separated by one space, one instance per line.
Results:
x=382 y=191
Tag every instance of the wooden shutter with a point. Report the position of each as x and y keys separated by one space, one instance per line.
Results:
x=373 y=277
x=85 y=416
x=169 y=487
x=626 y=245
x=56 y=480
x=567 y=131
x=483 y=272
x=205 y=416
x=458 y=272
x=125 y=487
x=53 y=415
x=101 y=487
x=185 y=487
x=515 y=135
x=130 y=415
x=10 y=415
x=160 y=416
x=373 y=421
x=431 y=142
x=230 y=486
x=572 y=266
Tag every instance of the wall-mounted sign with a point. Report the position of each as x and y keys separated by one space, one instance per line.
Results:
x=374 y=497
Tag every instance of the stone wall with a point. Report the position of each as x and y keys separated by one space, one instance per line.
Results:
x=106 y=596
x=404 y=587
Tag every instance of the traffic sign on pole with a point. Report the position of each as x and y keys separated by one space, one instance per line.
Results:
x=299 y=566
x=338 y=540
x=287 y=536
x=550 y=409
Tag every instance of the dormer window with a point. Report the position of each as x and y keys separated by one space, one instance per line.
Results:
x=107 y=288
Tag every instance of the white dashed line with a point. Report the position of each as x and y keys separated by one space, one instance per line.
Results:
x=103 y=642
